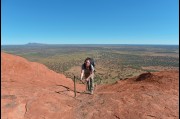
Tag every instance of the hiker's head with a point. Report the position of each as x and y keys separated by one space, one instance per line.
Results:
x=87 y=62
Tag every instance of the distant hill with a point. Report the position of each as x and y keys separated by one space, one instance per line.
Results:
x=35 y=44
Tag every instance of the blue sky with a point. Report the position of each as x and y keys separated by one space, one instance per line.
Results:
x=90 y=21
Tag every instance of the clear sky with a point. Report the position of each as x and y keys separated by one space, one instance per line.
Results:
x=90 y=21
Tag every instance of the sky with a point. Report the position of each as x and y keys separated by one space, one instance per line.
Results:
x=90 y=21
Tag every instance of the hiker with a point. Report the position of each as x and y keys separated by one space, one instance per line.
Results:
x=87 y=71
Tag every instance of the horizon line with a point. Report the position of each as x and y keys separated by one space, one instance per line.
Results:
x=84 y=44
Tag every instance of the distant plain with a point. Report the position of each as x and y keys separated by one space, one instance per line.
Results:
x=113 y=62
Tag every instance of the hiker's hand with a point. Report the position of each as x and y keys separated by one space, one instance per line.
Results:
x=82 y=81
x=87 y=79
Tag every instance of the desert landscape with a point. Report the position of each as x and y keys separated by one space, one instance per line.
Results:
x=49 y=48
x=113 y=62
x=30 y=90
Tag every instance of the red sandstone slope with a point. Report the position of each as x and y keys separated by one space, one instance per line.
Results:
x=146 y=96
x=17 y=69
x=27 y=94
x=30 y=89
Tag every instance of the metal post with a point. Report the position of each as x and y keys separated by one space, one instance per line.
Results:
x=74 y=86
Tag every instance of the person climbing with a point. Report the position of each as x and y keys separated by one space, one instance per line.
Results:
x=87 y=71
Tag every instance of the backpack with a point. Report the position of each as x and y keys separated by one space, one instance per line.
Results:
x=92 y=62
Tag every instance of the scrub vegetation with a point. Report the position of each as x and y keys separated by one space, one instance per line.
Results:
x=113 y=62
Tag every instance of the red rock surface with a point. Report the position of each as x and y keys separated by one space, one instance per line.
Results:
x=29 y=90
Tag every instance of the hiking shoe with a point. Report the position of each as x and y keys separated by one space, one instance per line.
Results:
x=91 y=92
x=87 y=92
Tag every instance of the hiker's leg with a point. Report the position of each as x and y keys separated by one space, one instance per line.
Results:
x=88 y=86
x=87 y=83
x=91 y=86
x=92 y=82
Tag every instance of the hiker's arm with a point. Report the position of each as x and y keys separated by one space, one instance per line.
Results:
x=82 y=74
x=90 y=76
